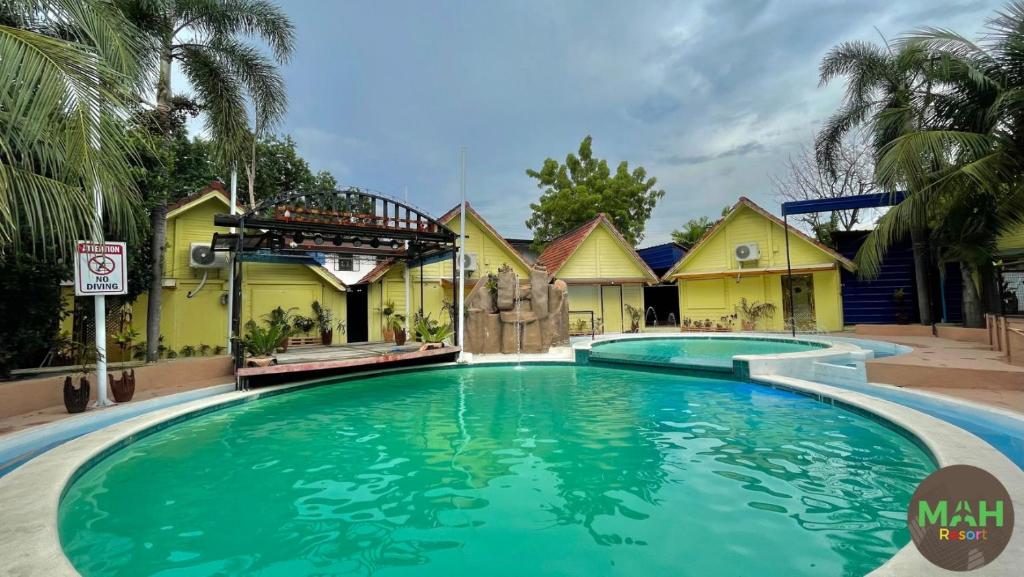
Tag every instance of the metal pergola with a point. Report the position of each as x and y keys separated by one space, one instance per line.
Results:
x=294 y=227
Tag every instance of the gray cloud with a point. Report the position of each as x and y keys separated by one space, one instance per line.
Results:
x=709 y=96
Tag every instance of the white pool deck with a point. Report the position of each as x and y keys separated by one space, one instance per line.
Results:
x=30 y=494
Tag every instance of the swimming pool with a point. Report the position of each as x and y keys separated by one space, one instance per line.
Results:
x=568 y=470
x=715 y=353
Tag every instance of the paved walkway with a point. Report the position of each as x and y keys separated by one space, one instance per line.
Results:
x=58 y=412
x=968 y=370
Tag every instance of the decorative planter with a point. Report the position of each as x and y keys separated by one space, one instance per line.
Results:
x=326 y=337
x=429 y=346
x=388 y=335
x=400 y=337
x=76 y=399
x=266 y=361
x=123 y=388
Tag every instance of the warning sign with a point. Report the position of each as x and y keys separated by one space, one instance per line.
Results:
x=100 y=268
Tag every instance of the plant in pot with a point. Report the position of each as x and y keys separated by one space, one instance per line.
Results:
x=753 y=312
x=324 y=320
x=899 y=300
x=634 y=318
x=282 y=317
x=396 y=325
x=387 y=310
x=431 y=333
x=261 y=341
x=76 y=399
x=303 y=324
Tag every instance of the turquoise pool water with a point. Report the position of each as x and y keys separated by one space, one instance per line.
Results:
x=547 y=470
x=714 y=352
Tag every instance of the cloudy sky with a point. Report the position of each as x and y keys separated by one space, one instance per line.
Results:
x=709 y=96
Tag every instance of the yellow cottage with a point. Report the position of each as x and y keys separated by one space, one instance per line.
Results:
x=604 y=274
x=194 y=312
x=744 y=256
x=486 y=252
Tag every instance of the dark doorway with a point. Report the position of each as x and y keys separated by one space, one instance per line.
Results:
x=357 y=309
x=662 y=302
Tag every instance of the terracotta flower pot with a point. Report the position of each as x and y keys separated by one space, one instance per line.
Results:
x=123 y=388
x=76 y=399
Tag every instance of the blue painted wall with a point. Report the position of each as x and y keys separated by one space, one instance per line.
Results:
x=871 y=302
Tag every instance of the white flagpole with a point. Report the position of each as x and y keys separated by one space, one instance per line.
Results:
x=231 y=269
x=99 y=301
x=462 y=260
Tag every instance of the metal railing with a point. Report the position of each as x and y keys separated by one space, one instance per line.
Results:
x=593 y=324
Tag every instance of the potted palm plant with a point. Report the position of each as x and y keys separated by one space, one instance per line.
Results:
x=324 y=320
x=753 y=312
x=282 y=317
x=396 y=325
x=261 y=341
x=634 y=318
x=431 y=333
x=388 y=310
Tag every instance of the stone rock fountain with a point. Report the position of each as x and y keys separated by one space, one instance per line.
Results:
x=504 y=317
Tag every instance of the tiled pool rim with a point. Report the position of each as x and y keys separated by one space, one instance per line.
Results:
x=31 y=494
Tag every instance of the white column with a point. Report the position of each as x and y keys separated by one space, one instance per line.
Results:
x=100 y=309
x=231 y=269
x=462 y=260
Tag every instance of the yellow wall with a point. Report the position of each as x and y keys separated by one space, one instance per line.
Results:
x=713 y=298
x=601 y=256
x=715 y=254
x=609 y=311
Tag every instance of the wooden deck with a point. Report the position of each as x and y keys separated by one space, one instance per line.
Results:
x=316 y=361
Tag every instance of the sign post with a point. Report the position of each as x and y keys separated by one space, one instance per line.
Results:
x=100 y=270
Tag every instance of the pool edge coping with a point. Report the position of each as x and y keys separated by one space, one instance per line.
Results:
x=31 y=494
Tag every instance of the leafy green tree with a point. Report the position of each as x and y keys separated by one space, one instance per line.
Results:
x=31 y=307
x=60 y=62
x=207 y=39
x=583 y=187
x=691 y=232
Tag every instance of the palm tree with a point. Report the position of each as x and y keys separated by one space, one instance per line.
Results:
x=970 y=153
x=889 y=91
x=206 y=39
x=68 y=80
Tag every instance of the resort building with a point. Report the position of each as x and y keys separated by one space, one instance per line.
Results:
x=744 y=257
x=194 y=308
x=430 y=285
x=604 y=273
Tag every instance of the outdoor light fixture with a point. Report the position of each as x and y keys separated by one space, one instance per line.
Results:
x=374 y=243
x=338 y=240
x=298 y=237
x=318 y=239
x=356 y=242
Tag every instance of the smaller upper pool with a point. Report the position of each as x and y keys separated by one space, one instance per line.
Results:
x=714 y=353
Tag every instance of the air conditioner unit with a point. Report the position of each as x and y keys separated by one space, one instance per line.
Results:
x=747 y=252
x=201 y=255
x=469 y=262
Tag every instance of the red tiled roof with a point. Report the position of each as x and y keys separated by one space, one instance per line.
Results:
x=744 y=201
x=562 y=248
x=469 y=208
x=378 y=271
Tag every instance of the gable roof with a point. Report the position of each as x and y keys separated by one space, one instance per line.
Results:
x=376 y=272
x=746 y=202
x=561 y=249
x=214 y=190
x=454 y=212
